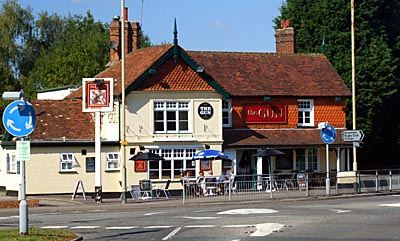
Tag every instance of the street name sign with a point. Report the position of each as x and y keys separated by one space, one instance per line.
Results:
x=354 y=135
x=19 y=118
x=23 y=150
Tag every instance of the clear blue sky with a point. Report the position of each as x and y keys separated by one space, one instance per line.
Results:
x=219 y=25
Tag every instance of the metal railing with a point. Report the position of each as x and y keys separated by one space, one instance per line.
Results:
x=286 y=186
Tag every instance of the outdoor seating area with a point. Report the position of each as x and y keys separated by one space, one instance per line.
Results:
x=146 y=190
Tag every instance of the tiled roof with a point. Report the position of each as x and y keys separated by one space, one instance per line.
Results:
x=58 y=120
x=136 y=63
x=259 y=74
x=277 y=137
x=240 y=74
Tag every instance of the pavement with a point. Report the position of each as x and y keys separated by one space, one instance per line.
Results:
x=62 y=203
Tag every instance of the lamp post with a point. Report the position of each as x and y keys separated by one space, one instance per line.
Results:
x=122 y=107
x=353 y=83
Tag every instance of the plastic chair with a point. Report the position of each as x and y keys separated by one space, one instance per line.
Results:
x=164 y=189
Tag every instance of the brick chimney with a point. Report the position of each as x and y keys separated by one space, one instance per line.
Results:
x=285 y=39
x=132 y=37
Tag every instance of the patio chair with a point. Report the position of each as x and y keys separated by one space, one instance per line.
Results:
x=164 y=189
x=210 y=186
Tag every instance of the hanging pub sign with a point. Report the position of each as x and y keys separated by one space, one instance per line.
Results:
x=205 y=111
x=97 y=94
x=259 y=114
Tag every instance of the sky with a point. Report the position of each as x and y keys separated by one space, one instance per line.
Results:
x=203 y=25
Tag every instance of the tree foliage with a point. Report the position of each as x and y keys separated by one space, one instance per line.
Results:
x=377 y=35
x=72 y=48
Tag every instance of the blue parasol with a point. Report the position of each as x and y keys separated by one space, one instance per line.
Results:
x=209 y=154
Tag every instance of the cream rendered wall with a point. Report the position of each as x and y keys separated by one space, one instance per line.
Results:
x=12 y=180
x=139 y=117
x=43 y=176
x=110 y=125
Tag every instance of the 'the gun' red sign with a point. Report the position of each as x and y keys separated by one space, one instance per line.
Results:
x=266 y=113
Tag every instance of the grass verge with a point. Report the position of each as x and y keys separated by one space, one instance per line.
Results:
x=35 y=234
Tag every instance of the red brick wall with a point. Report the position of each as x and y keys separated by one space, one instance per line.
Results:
x=325 y=109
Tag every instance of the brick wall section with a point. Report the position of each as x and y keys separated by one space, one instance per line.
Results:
x=325 y=109
x=15 y=203
x=285 y=41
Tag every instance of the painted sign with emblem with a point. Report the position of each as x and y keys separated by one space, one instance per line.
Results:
x=19 y=118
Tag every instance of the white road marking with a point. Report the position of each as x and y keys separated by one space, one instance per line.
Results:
x=84 y=227
x=171 y=234
x=238 y=226
x=245 y=211
x=117 y=228
x=265 y=229
x=201 y=226
x=390 y=205
x=149 y=214
x=340 y=210
x=158 y=227
x=200 y=218
x=54 y=227
x=2 y=218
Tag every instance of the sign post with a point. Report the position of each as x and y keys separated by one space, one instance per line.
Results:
x=328 y=135
x=97 y=96
x=19 y=119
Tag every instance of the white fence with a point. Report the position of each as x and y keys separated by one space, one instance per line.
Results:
x=286 y=186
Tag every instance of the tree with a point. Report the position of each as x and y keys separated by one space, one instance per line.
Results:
x=377 y=38
x=80 y=50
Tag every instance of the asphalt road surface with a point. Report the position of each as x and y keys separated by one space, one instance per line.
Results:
x=367 y=218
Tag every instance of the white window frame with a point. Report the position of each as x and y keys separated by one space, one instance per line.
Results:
x=303 y=110
x=172 y=154
x=113 y=161
x=308 y=164
x=65 y=159
x=227 y=108
x=165 y=107
x=12 y=163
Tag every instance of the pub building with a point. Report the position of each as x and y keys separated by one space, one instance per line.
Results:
x=178 y=102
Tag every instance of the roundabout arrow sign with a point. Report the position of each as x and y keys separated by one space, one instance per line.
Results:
x=19 y=118
x=328 y=134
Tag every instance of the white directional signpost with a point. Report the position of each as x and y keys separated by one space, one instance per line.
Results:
x=355 y=135
x=19 y=119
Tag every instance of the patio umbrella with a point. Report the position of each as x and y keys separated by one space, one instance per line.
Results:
x=268 y=152
x=209 y=154
x=146 y=156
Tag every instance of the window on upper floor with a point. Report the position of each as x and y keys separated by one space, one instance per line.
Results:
x=227 y=113
x=112 y=161
x=305 y=112
x=67 y=162
x=12 y=163
x=171 y=116
x=176 y=161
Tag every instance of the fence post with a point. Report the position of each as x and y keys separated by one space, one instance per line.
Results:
x=229 y=189
x=359 y=181
x=376 y=181
x=184 y=192
x=307 y=190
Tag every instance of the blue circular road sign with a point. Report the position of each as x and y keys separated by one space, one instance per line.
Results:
x=19 y=118
x=328 y=134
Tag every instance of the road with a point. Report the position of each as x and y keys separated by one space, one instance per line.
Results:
x=368 y=218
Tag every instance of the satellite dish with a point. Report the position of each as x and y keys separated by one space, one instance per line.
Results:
x=113 y=44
